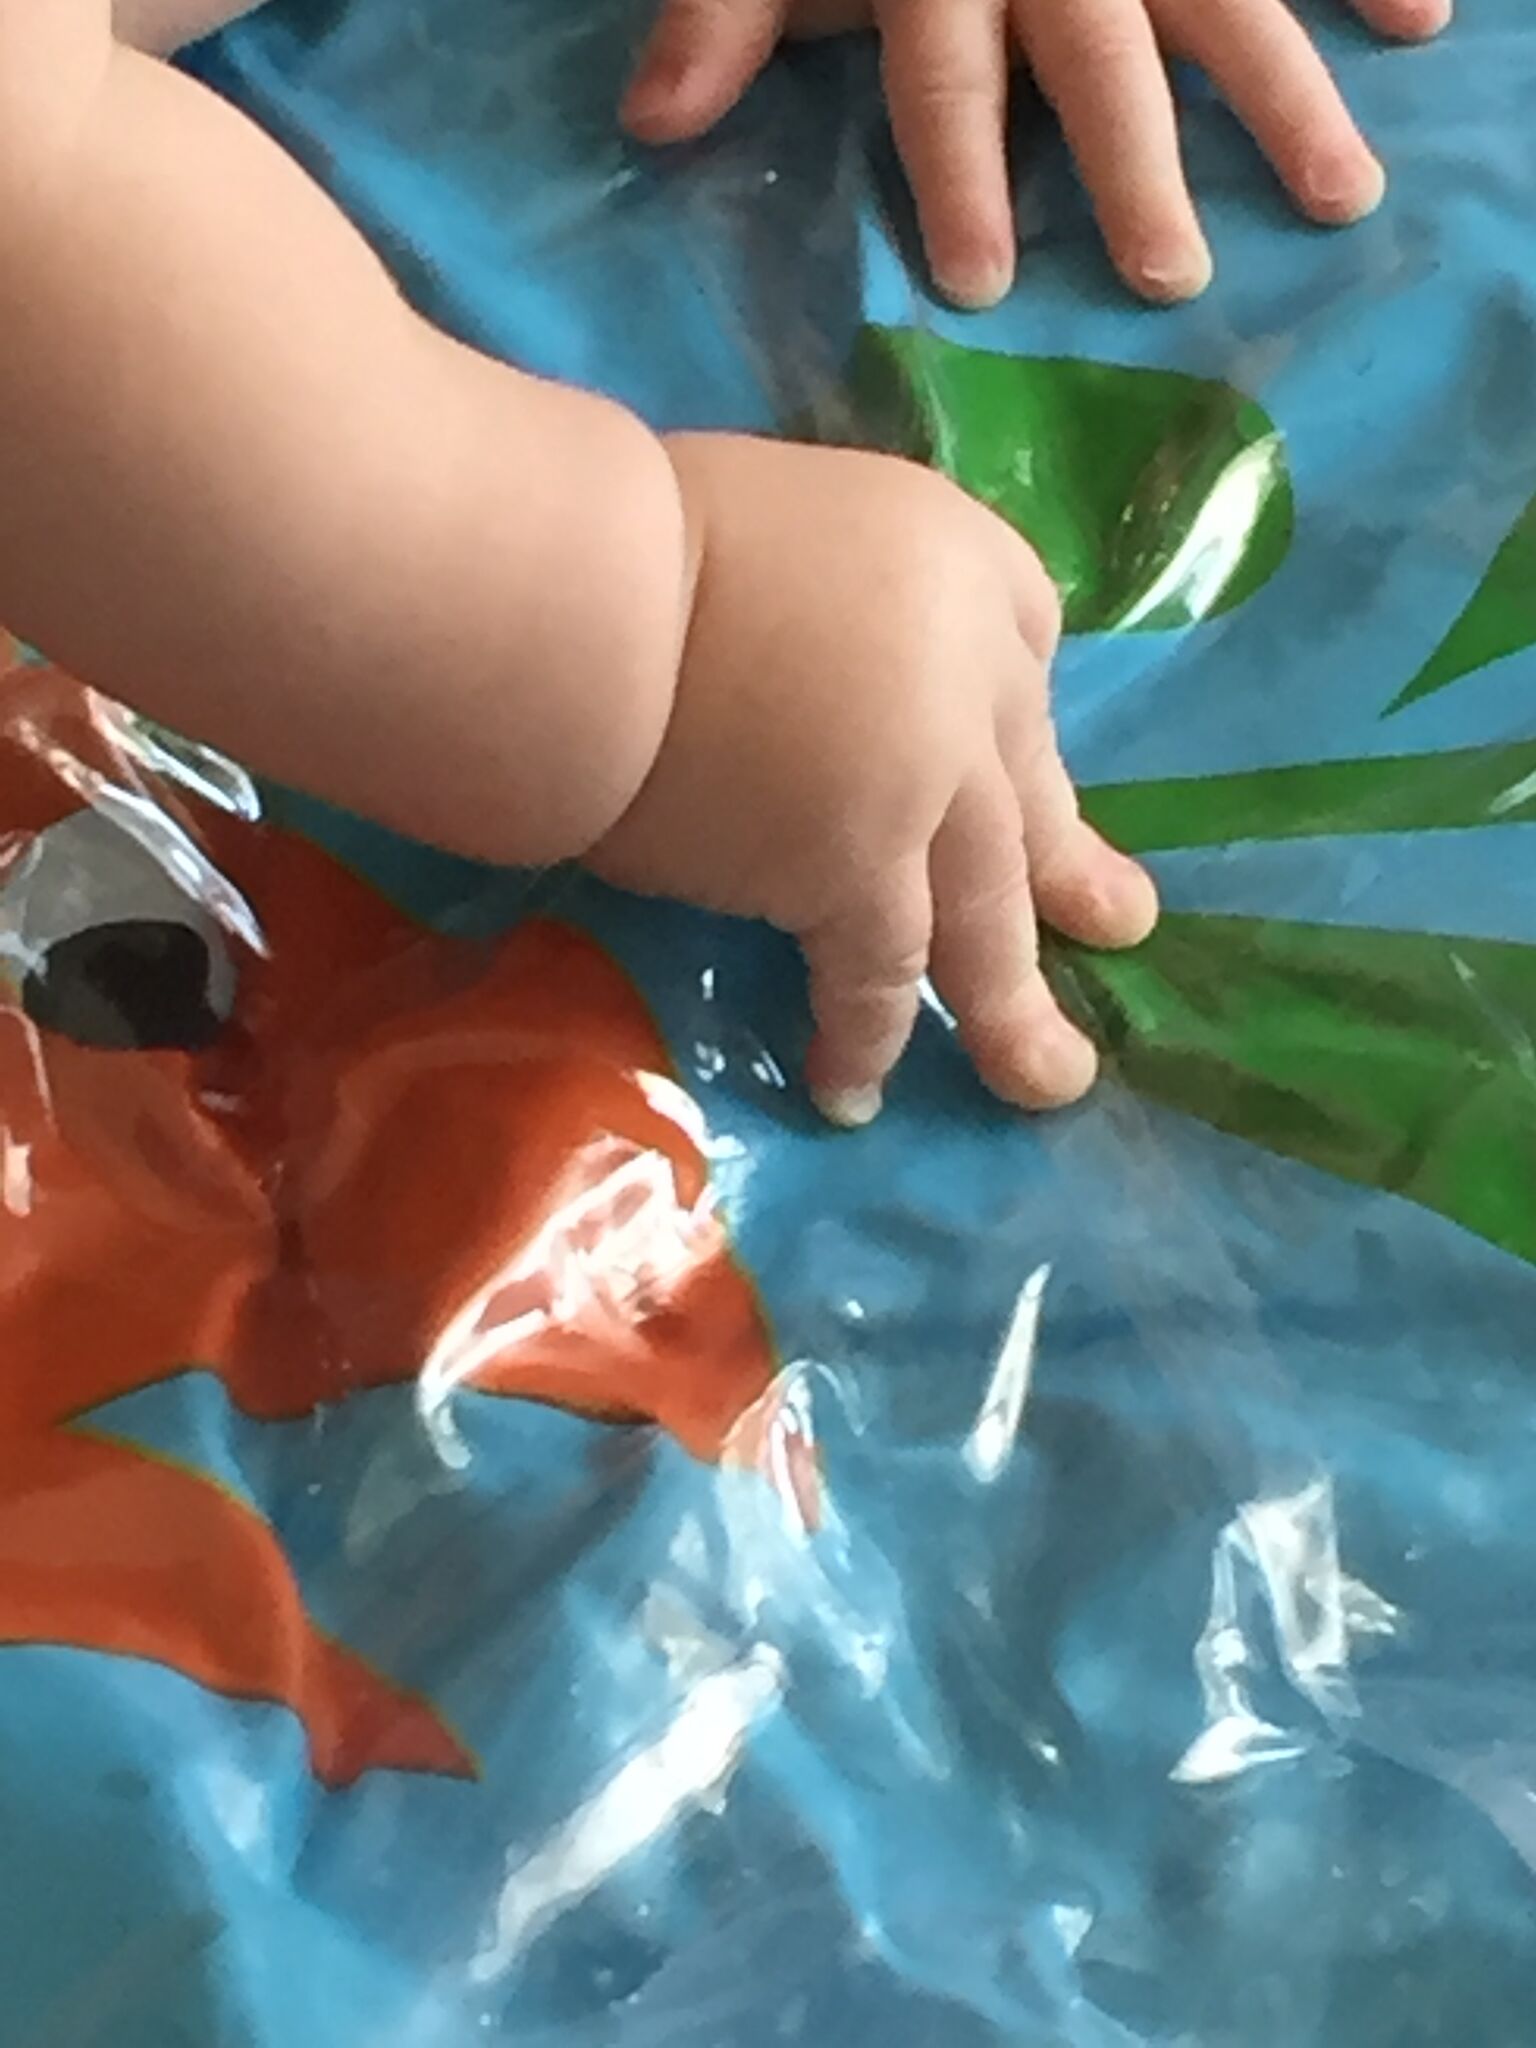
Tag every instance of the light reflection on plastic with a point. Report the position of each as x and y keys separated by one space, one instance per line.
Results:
x=690 y=1764
x=827 y=1586
x=37 y=1059
x=618 y=1242
x=242 y=1807
x=776 y=1440
x=1286 y=1549
x=668 y=1100
x=85 y=870
x=936 y=1006
x=218 y=781
x=1203 y=565
x=1234 y=1738
x=152 y=829
x=1074 y=1924
x=732 y=1165
x=708 y=1061
x=1294 y=1540
x=1514 y=799
x=990 y=1444
x=15 y=1176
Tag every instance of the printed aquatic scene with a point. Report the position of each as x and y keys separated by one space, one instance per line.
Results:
x=511 y=1530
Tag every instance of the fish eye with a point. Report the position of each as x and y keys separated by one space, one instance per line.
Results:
x=107 y=943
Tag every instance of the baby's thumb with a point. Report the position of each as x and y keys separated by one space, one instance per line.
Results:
x=702 y=56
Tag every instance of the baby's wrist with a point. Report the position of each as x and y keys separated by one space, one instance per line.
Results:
x=691 y=514
x=603 y=583
x=688 y=560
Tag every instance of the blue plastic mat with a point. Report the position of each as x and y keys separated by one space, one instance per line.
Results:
x=1147 y=1653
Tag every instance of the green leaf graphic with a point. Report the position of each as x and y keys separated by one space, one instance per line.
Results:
x=1319 y=799
x=1156 y=499
x=1400 y=1061
x=1500 y=620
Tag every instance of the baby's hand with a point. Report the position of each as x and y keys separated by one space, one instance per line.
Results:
x=861 y=752
x=1101 y=63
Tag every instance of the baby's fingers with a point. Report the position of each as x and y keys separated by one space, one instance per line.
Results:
x=702 y=56
x=986 y=954
x=866 y=967
x=1411 y=21
x=946 y=80
x=1098 y=63
x=1264 y=62
x=1082 y=886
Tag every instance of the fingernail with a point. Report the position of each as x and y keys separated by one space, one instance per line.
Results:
x=1134 y=907
x=851 y=1109
x=1067 y=1063
x=1179 y=270
x=976 y=287
x=1425 y=18
x=1345 y=187
x=655 y=85
x=1052 y=1066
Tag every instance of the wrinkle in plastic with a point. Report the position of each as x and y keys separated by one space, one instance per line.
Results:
x=507 y=1529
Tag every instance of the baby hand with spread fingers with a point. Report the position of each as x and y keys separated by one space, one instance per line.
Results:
x=1103 y=66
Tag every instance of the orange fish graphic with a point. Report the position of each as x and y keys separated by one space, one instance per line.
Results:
x=256 y=1123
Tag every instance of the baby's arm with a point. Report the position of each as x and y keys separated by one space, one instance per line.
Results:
x=248 y=490
x=243 y=487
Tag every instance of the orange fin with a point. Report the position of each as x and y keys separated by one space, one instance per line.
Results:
x=105 y=1547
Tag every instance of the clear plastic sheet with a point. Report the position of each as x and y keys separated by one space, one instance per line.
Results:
x=509 y=1531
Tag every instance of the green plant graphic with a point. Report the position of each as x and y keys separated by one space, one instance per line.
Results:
x=1500 y=620
x=1323 y=799
x=1156 y=499
x=1398 y=1060
x=1402 y=1061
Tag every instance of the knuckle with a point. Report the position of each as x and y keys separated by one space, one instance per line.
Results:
x=902 y=971
x=1006 y=901
x=883 y=975
x=871 y=953
x=1006 y=1007
x=703 y=23
x=1046 y=600
x=1108 y=40
x=1035 y=757
x=1038 y=622
x=868 y=1010
x=950 y=94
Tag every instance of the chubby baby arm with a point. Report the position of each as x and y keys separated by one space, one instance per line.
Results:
x=250 y=491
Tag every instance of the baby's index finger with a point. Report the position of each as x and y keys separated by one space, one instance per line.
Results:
x=1262 y=60
x=1099 y=64
x=701 y=57
x=986 y=954
x=946 y=73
